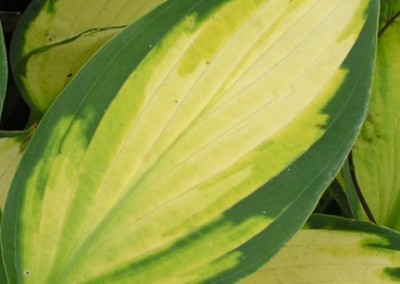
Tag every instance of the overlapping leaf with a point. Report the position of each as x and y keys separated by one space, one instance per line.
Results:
x=377 y=151
x=3 y=70
x=189 y=149
x=9 y=157
x=12 y=145
x=55 y=38
x=335 y=250
x=3 y=82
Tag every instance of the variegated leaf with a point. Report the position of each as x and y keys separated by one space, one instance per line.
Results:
x=55 y=38
x=377 y=151
x=335 y=250
x=193 y=145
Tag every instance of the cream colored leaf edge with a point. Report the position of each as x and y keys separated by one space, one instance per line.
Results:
x=359 y=253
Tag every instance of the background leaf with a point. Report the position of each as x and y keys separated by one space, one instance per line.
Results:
x=189 y=149
x=3 y=82
x=3 y=70
x=377 y=151
x=12 y=146
x=335 y=250
x=55 y=38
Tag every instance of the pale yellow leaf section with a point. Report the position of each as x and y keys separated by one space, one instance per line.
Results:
x=215 y=110
x=328 y=256
x=50 y=68
x=62 y=19
x=55 y=37
x=11 y=149
x=55 y=172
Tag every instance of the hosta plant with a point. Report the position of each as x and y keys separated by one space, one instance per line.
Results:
x=190 y=141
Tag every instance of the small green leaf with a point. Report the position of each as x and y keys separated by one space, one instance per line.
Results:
x=377 y=151
x=352 y=194
x=335 y=250
x=189 y=149
x=55 y=38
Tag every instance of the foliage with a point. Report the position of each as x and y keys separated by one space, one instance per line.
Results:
x=190 y=141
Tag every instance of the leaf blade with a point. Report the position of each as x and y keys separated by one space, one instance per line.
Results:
x=376 y=153
x=74 y=137
x=42 y=63
x=3 y=70
x=341 y=250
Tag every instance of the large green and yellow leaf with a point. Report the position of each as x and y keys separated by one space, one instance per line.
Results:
x=55 y=38
x=335 y=250
x=193 y=145
x=3 y=70
x=377 y=152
